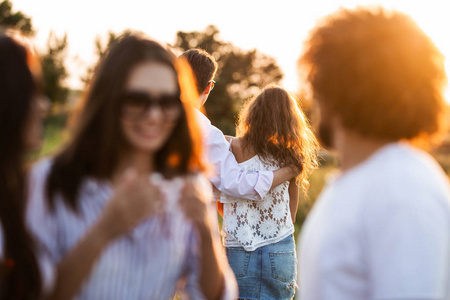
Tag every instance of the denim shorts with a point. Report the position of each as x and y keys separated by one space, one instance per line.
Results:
x=269 y=272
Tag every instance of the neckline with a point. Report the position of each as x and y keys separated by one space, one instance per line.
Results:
x=372 y=159
x=247 y=160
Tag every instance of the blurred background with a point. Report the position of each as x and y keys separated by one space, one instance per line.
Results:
x=254 y=42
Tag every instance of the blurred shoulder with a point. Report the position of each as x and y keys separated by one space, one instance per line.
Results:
x=42 y=166
x=198 y=178
x=235 y=144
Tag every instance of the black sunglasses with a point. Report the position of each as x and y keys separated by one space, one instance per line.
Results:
x=137 y=103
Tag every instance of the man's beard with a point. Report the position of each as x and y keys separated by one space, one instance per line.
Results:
x=325 y=134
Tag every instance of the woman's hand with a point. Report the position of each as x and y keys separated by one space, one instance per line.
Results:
x=135 y=199
x=196 y=202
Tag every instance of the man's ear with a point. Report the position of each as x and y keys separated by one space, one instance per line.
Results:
x=207 y=89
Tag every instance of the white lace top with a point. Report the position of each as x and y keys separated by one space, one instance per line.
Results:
x=255 y=223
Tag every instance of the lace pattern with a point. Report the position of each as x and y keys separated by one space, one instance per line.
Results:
x=252 y=224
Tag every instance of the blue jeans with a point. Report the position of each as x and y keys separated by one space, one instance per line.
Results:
x=269 y=272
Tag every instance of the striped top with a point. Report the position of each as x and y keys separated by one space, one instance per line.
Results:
x=159 y=258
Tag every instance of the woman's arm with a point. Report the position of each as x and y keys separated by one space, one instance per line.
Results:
x=293 y=198
x=283 y=174
x=213 y=279
x=76 y=266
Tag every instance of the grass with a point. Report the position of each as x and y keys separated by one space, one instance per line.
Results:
x=53 y=135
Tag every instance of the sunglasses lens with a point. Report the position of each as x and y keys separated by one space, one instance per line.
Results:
x=136 y=104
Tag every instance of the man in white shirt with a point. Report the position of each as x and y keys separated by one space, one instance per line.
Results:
x=381 y=227
x=228 y=177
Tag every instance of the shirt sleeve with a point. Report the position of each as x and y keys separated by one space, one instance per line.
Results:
x=228 y=177
x=407 y=241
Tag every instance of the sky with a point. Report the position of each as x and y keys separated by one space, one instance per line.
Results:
x=276 y=28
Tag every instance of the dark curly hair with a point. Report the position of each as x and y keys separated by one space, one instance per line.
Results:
x=379 y=72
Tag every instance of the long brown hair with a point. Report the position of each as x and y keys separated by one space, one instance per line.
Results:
x=98 y=139
x=20 y=278
x=274 y=126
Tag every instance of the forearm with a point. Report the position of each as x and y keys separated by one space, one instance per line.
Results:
x=212 y=275
x=228 y=177
x=293 y=199
x=76 y=266
x=293 y=206
x=281 y=175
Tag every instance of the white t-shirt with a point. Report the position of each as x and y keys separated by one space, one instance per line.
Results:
x=380 y=231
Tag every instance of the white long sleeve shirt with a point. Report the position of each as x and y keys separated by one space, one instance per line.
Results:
x=228 y=176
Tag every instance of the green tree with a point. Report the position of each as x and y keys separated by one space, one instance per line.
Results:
x=15 y=20
x=101 y=46
x=241 y=74
x=54 y=70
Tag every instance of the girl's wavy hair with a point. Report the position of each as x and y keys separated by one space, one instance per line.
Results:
x=274 y=126
x=98 y=140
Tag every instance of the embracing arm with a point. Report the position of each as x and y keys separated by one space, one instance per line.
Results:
x=229 y=178
x=283 y=174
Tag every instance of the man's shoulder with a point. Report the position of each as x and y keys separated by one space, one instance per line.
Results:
x=201 y=118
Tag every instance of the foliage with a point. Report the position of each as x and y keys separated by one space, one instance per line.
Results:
x=54 y=70
x=15 y=20
x=100 y=50
x=241 y=74
x=317 y=180
x=54 y=127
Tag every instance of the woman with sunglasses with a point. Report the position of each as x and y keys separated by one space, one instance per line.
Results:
x=126 y=192
x=22 y=106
